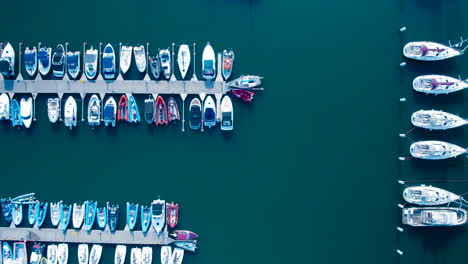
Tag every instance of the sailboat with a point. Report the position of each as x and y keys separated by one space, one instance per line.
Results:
x=183 y=59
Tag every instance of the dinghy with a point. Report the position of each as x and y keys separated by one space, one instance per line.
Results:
x=112 y=216
x=195 y=114
x=90 y=62
x=434 y=216
x=26 y=111
x=58 y=61
x=110 y=112
x=165 y=59
x=132 y=215
x=90 y=214
x=227 y=114
x=125 y=58
x=135 y=256
x=32 y=212
x=65 y=215
x=53 y=109
x=435 y=150
x=208 y=63
x=41 y=213
x=78 y=215
x=122 y=112
x=173 y=110
x=184 y=235
x=15 y=114
x=7 y=61
x=209 y=111
x=73 y=64
x=161 y=117
x=177 y=256
x=186 y=245
x=120 y=252
x=44 y=57
x=30 y=60
x=36 y=253
x=101 y=217
x=52 y=254
x=7 y=209
x=437 y=120
x=244 y=95
x=140 y=58
x=172 y=214
x=147 y=255
x=62 y=253
x=246 y=82
x=70 y=112
x=4 y=107
x=145 y=218
x=228 y=63
x=7 y=255
x=428 y=195
x=20 y=253
x=133 y=112
x=183 y=59
x=94 y=111
x=17 y=213
x=95 y=254
x=429 y=51
x=83 y=253
x=155 y=66
x=108 y=62
x=158 y=215
x=55 y=213
x=166 y=255
x=149 y=110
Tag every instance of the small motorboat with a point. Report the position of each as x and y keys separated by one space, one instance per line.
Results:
x=83 y=253
x=161 y=117
x=65 y=215
x=172 y=110
x=437 y=120
x=147 y=255
x=41 y=213
x=112 y=216
x=158 y=215
x=7 y=61
x=155 y=66
x=428 y=195
x=26 y=109
x=135 y=256
x=44 y=57
x=177 y=256
x=195 y=114
x=429 y=51
x=110 y=112
x=55 y=213
x=438 y=84
x=58 y=61
x=208 y=63
x=108 y=62
x=4 y=107
x=36 y=253
x=101 y=217
x=90 y=214
x=78 y=215
x=186 y=245
x=20 y=253
x=15 y=113
x=125 y=58
x=17 y=213
x=30 y=60
x=244 y=95
x=209 y=111
x=228 y=63
x=184 y=235
x=133 y=112
x=145 y=218
x=120 y=252
x=140 y=58
x=435 y=150
x=70 y=112
x=95 y=255
x=32 y=212
x=434 y=216
x=165 y=59
x=53 y=109
x=132 y=215
x=62 y=253
x=166 y=255
x=122 y=112
x=183 y=59
x=52 y=254
x=73 y=63
x=94 y=111
x=91 y=63
x=7 y=254
x=246 y=82
x=24 y=198
x=149 y=110
x=227 y=114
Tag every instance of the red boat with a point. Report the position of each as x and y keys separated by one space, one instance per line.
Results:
x=122 y=110
x=172 y=217
x=244 y=95
x=184 y=235
x=173 y=110
x=160 y=112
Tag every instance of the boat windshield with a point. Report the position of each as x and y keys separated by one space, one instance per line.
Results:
x=29 y=59
x=90 y=58
x=226 y=119
x=72 y=60
x=108 y=64
x=57 y=58
x=210 y=115
x=208 y=67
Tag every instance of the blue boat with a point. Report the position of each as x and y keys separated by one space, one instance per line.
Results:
x=112 y=216
x=145 y=218
x=41 y=212
x=65 y=215
x=16 y=119
x=90 y=214
x=32 y=212
x=108 y=62
x=132 y=215
x=6 y=209
x=7 y=255
x=101 y=217
x=133 y=113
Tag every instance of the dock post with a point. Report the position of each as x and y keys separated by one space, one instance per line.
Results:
x=147 y=78
x=173 y=78
x=83 y=96
x=60 y=95
x=38 y=73
x=202 y=96
x=1 y=75
x=99 y=72
x=34 y=95
x=219 y=76
x=102 y=95
x=19 y=76
x=83 y=77
x=65 y=74
x=119 y=73
x=218 y=107
x=194 y=75
x=183 y=96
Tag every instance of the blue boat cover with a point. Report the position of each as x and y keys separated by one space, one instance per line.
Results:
x=210 y=115
x=108 y=49
x=107 y=63
x=109 y=113
x=208 y=67
x=29 y=58
x=72 y=60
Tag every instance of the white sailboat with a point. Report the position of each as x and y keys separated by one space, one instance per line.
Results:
x=429 y=51
x=435 y=150
x=438 y=84
x=436 y=120
x=428 y=195
x=183 y=59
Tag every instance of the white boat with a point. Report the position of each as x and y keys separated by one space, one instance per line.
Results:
x=227 y=114
x=135 y=257
x=70 y=112
x=246 y=82
x=53 y=109
x=166 y=255
x=78 y=215
x=110 y=112
x=55 y=213
x=438 y=84
x=73 y=63
x=125 y=58
x=120 y=251
x=108 y=62
x=62 y=253
x=59 y=61
x=435 y=150
x=177 y=256
x=44 y=57
x=52 y=254
x=147 y=255
x=4 y=107
x=158 y=215
x=208 y=63
x=20 y=253
x=428 y=195
x=165 y=59
x=83 y=253
x=26 y=108
x=17 y=213
x=94 y=111
x=434 y=216
x=30 y=60
x=7 y=61
x=183 y=59
x=429 y=51
x=209 y=111
x=140 y=57
x=90 y=62
x=437 y=120
x=95 y=254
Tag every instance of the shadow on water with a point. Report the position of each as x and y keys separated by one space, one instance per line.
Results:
x=242 y=2
x=433 y=4
x=443 y=236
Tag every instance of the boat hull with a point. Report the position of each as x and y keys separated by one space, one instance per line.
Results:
x=438 y=84
x=429 y=51
x=227 y=114
x=208 y=63
x=436 y=120
x=435 y=150
x=434 y=216
x=183 y=59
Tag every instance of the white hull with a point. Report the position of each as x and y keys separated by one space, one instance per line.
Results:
x=53 y=109
x=177 y=256
x=183 y=59
x=78 y=215
x=208 y=63
x=135 y=257
x=30 y=67
x=83 y=253
x=209 y=106
x=434 y=216
x=158 y=217
x=166 y=255
x=62 y=254
x=26 y=111
x=70 y=112
x=429 y=51
x=8 y=55
x=140 y=58
x=428 y=195
x=227 y=114
x=120 y=252
x=55 y=213
x=435 y=150
x=110 y=103
x=4 y=107
x=95 y=254
x=438 y=84
x=436 y=120
x=94 y=111
x=147 y=255
x=90 y=62
x=165 y=59
x=45 y=69
x=52 y=254
x=73 y=64
x=125 y=58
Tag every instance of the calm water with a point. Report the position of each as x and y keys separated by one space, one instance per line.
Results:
x=309 y=175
